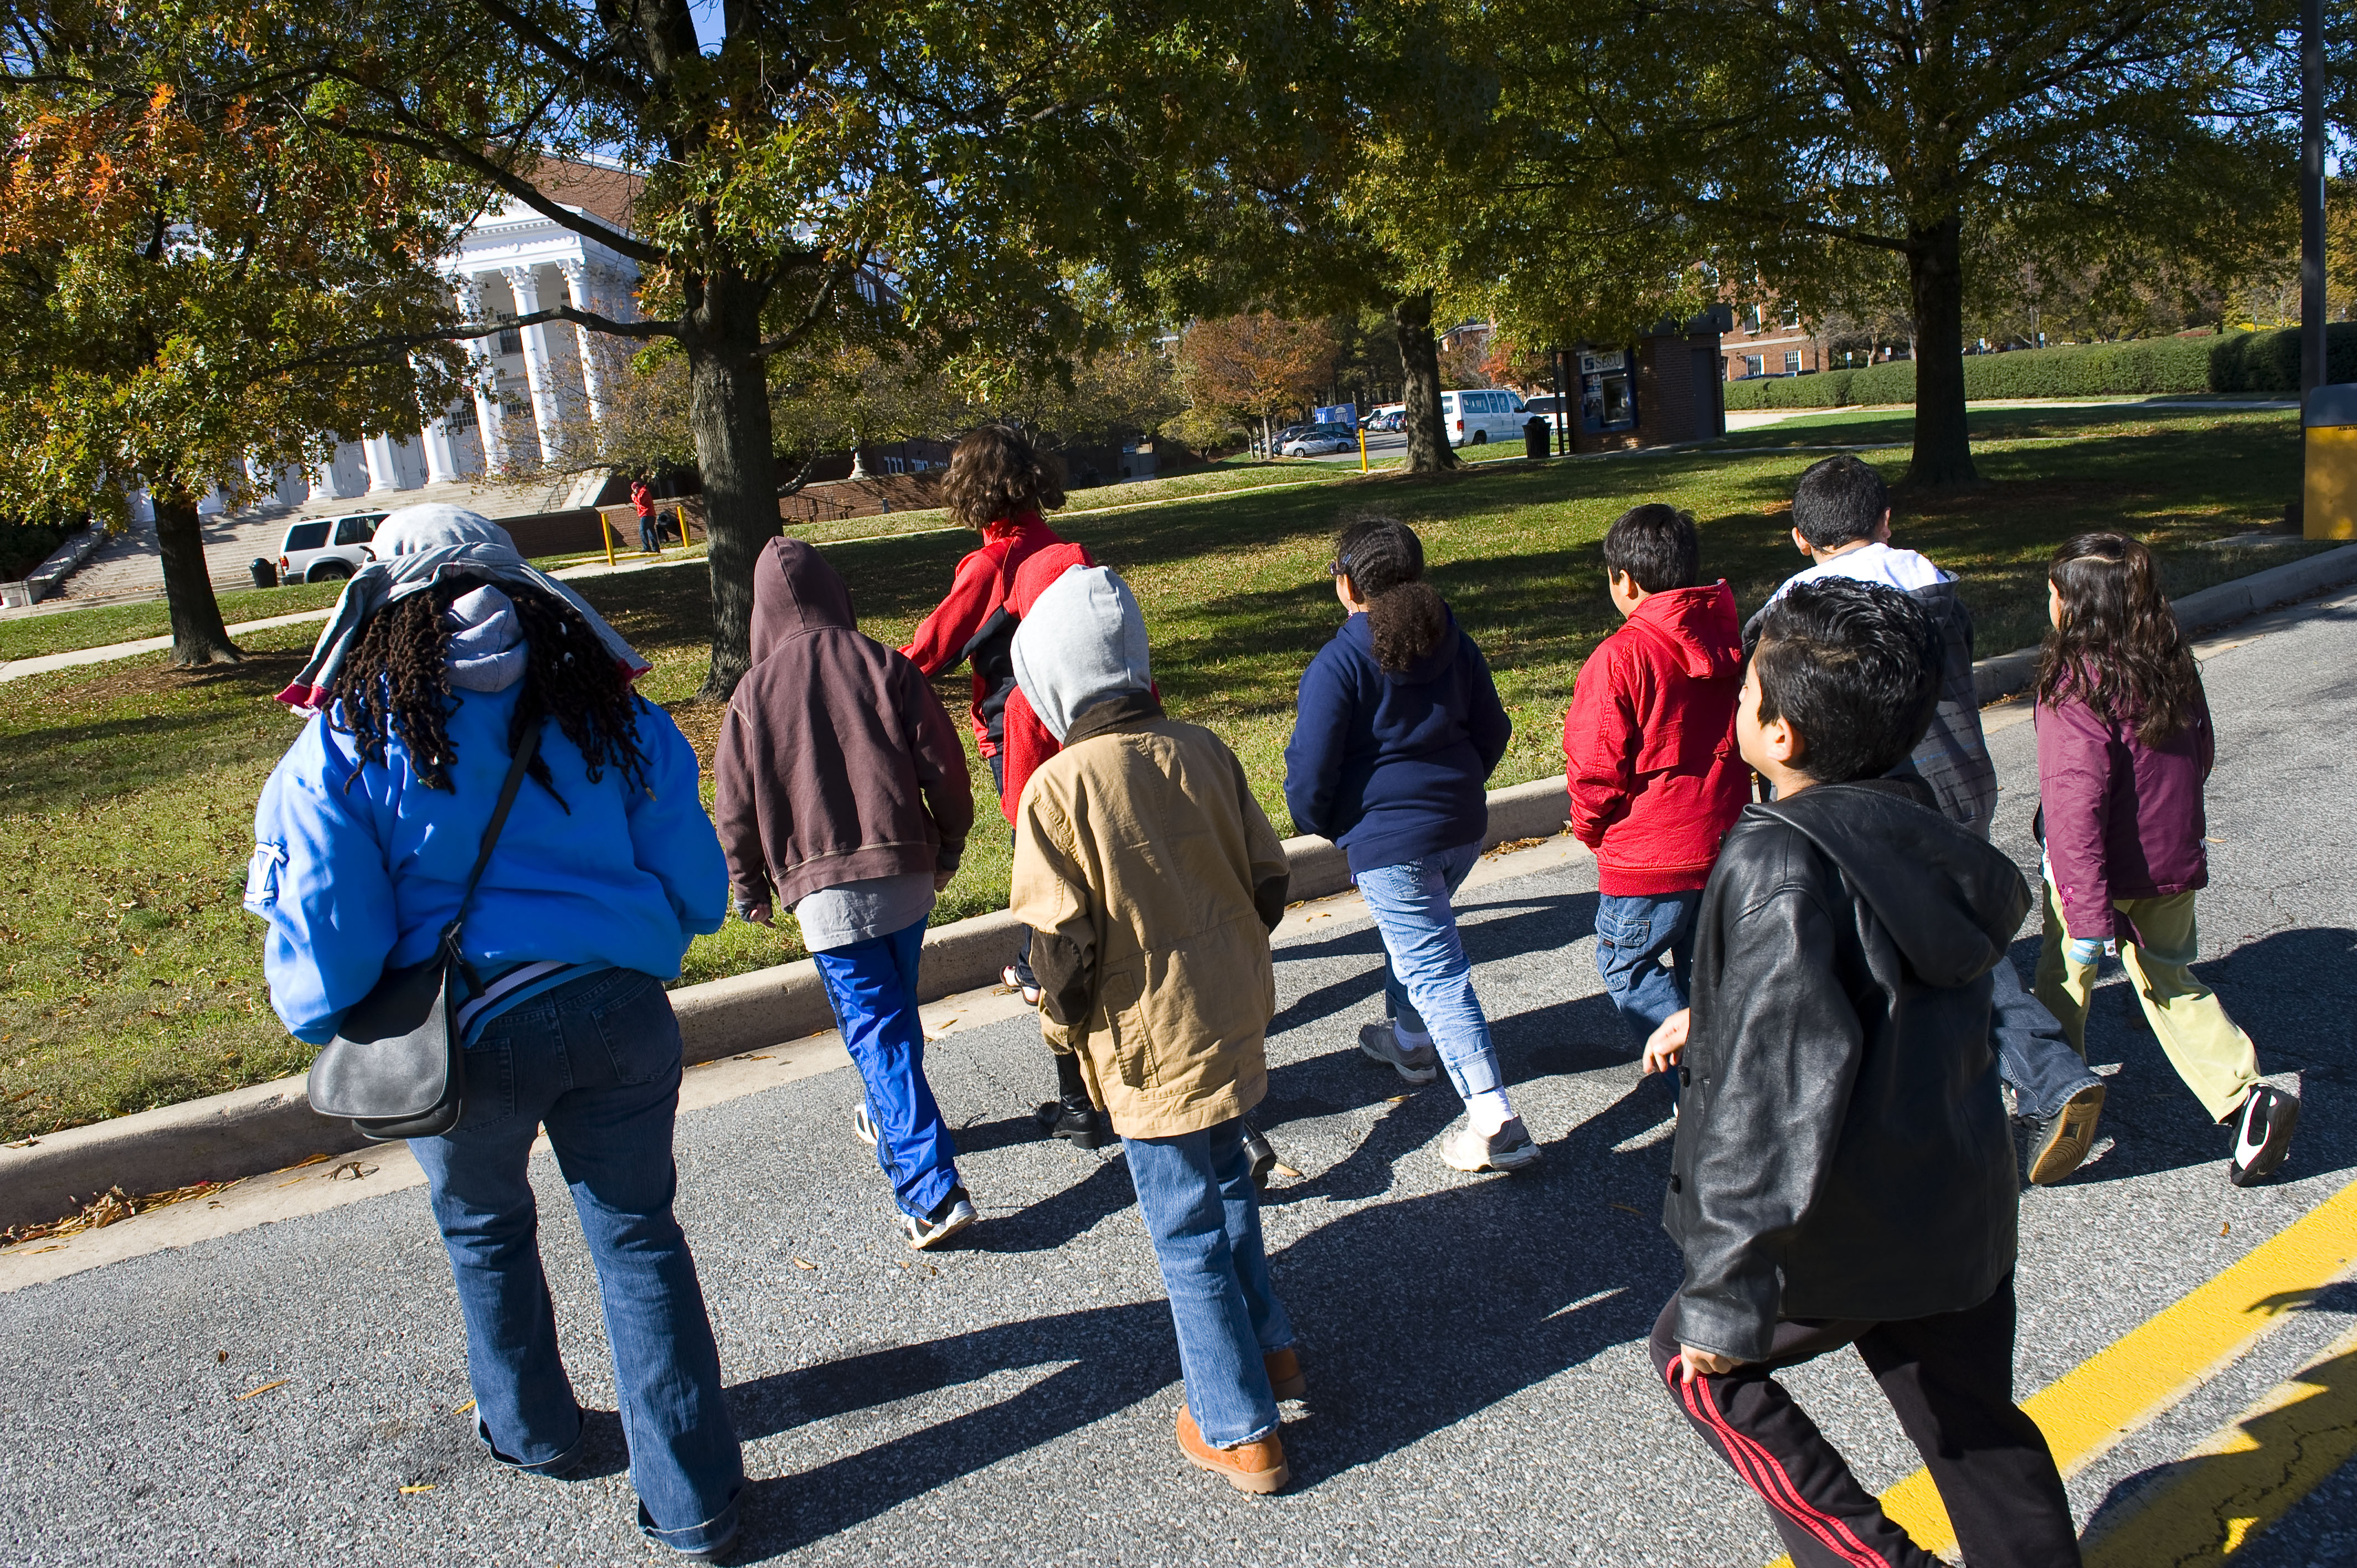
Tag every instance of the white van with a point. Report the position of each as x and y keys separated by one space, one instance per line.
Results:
x=1476 y=417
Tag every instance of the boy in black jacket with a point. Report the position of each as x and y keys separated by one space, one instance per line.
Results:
x=1844 y=1172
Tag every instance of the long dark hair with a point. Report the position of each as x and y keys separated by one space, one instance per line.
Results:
x=2118 y=648
x=1384 y=561
x=395 y=681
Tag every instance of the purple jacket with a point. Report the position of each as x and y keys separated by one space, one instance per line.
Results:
x=2122 y=819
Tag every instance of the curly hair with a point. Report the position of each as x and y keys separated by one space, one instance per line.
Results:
x=996 y=471
x=1383 y=560
x=2118 y=648
x=397 y=680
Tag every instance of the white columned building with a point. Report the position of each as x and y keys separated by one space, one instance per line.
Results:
x=532 y=384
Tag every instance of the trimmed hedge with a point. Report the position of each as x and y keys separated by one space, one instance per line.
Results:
x=2235 y=362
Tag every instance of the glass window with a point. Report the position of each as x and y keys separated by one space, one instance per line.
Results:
x=1792 y=361
x=1755 y=365
x=355 y=530
x=306 y=536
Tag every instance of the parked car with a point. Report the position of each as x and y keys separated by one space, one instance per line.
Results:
x=1320 y=438
x=1476 y=417
x=1390 y=417
x=327 y=549
x=1545 y=407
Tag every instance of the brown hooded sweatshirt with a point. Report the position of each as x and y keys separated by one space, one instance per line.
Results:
x=837 y=763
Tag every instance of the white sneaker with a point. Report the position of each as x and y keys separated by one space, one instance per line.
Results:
x=956 y=1213
x=1417 y=1064
x=1510 y=1148
x=863 y=1126
x=2263 y=1131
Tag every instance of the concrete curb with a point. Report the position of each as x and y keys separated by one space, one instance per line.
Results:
x=271 y=1125
x=2009 y=674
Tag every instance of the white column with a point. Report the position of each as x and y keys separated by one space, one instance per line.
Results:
x=441 y=458
x=482 y=353
x=382 y=475
x=593 y=381
x=545 y=415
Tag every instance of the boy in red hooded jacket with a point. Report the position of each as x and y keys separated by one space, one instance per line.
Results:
x=1650 y=757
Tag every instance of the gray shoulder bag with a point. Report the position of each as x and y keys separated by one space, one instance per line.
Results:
x=397 y=1067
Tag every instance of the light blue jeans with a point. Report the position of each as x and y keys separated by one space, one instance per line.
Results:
x=1194 y=1193
x=1428 y=979
x=596 y=1062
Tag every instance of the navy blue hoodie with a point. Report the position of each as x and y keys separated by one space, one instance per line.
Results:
x=1394 y=768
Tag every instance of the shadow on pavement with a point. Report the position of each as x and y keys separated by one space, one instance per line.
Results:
x=1536 y=1273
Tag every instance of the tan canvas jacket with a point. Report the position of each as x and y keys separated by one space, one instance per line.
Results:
x=1152 y=878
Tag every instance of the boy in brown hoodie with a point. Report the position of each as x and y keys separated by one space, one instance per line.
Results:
x=1151 y=880
x=843 y=792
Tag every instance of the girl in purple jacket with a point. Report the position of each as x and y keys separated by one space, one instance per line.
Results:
x=2123 y=747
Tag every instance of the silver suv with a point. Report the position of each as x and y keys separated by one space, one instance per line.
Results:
x=327 y=549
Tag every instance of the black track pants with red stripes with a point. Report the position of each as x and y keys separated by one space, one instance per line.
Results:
x=1950 y=1379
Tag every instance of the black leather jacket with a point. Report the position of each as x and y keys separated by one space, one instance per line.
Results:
x=1842 y=1151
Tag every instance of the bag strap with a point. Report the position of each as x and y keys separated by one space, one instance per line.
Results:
x=507 y=790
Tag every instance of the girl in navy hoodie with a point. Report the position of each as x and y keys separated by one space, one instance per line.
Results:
x=1398 y=732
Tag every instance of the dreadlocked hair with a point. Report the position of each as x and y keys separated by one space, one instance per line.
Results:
x=2118 y=650
x=1383 y=560
x=396 y=681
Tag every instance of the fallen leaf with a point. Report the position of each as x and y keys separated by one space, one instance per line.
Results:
x=464 y=1408
x=220 y=1355
x=752 y=1058
x=1626 y=1209
x=352 y=1170
x=805 y=1264
x=314 y=1160
x=1395 y=1099
x=2223 y=1227
x=1288 y=1171
x=422 y=1486
x=265 y=1387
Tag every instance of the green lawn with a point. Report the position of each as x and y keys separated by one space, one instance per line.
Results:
x=126 y=790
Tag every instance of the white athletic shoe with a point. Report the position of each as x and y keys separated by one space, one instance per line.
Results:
x=863 y=1126
x=2263 y=1132
x=1417 y=1064
x=1510 y=1148
x=954 y=1214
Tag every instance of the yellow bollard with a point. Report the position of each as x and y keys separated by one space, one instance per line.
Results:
x=1363 y=448
x=606 y=528
x=2328 y=507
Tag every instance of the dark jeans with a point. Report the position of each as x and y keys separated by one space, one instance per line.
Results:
x=595 y=1062
x=1950 y=1379
x=872 y=986
x=1644 y=954
x=2033 y=1054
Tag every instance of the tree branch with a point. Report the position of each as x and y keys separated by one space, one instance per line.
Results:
x=395 y=346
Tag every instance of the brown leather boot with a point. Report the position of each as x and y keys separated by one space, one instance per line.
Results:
x=1257 y=1466
x=1284 y=1379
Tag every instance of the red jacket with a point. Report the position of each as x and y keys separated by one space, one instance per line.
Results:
x=1649 y=744
x=985 y=580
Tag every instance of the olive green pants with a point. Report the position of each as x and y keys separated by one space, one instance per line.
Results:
x=2215 y=1059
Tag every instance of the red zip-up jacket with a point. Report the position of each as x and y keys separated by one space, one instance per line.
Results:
x=985 y=580
x=1649 y=744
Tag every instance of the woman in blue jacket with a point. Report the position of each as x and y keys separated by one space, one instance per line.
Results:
x=1398 y=732
x=444 y=654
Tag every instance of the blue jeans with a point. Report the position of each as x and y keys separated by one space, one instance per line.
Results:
x=1644 y=951
x=596 y=1062
x=2033 y=1054
x=873 y=988
x=1428 y=979
x=1194 y=1193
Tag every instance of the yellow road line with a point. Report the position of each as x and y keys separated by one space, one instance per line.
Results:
x=2112 y=1393
x=2244 y=1479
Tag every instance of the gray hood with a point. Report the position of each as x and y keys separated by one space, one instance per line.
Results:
x=1083 y=641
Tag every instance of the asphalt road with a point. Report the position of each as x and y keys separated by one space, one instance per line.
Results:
x=1473 y=1345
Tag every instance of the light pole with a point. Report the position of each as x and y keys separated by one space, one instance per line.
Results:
x=2313 y=370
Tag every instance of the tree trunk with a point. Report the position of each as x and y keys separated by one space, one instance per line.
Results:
x=198 y=638
x=1427 y=443
x=728 y=414
x=1935 y=281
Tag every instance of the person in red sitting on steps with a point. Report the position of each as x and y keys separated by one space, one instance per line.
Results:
x=999 y=481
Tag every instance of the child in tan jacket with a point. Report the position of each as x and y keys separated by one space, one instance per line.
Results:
x=1151 y=880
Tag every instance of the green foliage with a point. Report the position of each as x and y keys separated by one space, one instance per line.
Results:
x=2269 y=361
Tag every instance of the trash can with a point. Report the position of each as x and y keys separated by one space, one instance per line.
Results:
x=2328 y=507
x=1536 y=438
x=265 y=573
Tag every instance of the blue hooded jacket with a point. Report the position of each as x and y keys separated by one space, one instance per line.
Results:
x=355 y=880
x=1395 y=766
